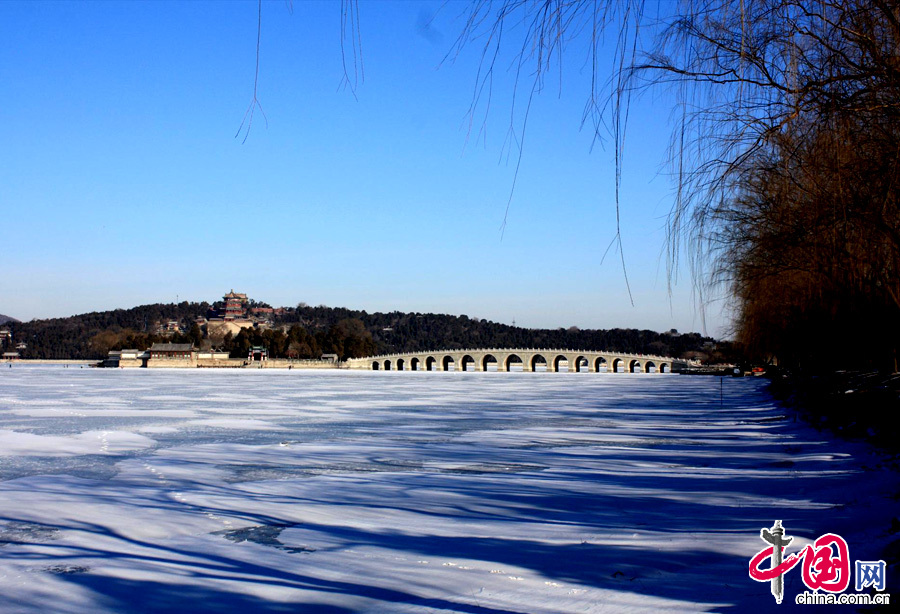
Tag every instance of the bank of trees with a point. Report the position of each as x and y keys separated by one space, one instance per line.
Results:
x=397 y=332
x=807 y=232
x=348 y=338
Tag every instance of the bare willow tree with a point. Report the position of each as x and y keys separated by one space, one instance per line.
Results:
x=785 y=152
x=793 y=192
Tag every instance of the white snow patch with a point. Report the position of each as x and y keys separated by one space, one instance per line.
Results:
x=14 y=443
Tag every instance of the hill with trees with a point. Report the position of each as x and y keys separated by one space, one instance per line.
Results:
x=92 y=335
x=309 y=332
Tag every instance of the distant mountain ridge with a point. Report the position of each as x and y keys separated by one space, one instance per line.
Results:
x=4 y=319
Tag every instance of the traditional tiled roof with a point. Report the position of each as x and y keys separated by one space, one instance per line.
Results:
x=172 y=347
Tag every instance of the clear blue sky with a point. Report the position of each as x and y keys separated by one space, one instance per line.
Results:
x=121 y=182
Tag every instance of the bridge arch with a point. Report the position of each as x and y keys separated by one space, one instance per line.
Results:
x=665 y=368
x=464 y=362
x=387 y=365
x=375 y=366
x=617 y=364
x=580 y=361
x=512 y=359
x=536 y=360
x=559 y=358
x=600 y=365
x=400 y=364
x=446 y=362
x=429 y=363
x=489 y=359
x=414 y=364
x=650 y=367
x=634 y=366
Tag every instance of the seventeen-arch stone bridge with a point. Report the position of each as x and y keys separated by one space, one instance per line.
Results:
x=529 y=360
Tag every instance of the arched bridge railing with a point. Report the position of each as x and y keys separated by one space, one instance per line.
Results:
x=519 y=359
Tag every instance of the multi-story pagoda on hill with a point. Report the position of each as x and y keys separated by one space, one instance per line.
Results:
x=229 y=317
x=235 y=306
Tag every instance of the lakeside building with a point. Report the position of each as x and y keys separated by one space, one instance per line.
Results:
x=169 y=355
x=165 y=355
x=171 y=351
x=159 y=355
x=185 y=355
x=126 y=358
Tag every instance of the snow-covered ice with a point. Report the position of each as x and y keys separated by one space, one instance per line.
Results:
x=482 y=493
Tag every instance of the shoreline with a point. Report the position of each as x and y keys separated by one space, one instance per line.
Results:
x=52 y=361
x=853 y=405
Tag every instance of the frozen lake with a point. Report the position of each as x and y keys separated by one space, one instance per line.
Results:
x=482 y=493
